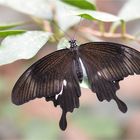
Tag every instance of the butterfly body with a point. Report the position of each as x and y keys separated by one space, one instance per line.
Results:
x=76 y=60
x=57 y=75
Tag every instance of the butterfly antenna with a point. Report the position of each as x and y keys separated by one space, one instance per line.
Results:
x=66 y=34
x=74 y=37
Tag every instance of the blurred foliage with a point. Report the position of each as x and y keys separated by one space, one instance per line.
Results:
x=128 y=12
x=6 y=33
x=31 y=129
x=11 y=25
x=17 y=47
x=83 y=4
x=47 y=128
x=101 y=127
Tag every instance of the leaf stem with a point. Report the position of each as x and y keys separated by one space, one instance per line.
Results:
x=123 y=27
x=101 y=27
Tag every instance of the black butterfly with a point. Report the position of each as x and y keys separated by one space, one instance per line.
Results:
x=57 y=75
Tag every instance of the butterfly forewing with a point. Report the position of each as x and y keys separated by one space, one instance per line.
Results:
x=43 y=79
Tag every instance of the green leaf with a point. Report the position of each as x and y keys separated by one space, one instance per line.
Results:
x=83 y=4
x=64 y=18
x=130 y=11
x=11 y=32
x=86 y=16
x=65 y=12
x=11 y=25
x=37 y=8
x=97 y=15
x=63 y=43
x=23 y=46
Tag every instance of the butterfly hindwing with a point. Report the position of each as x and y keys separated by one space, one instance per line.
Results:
x=106 y=64
x=69 y=98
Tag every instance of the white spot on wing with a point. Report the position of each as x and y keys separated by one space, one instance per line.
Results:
x=65 y=83
x=99 y=73
x=60 y=93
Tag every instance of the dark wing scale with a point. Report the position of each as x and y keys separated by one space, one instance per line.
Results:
x=71 y=92
x=69 y=98
x=45 y=79
x=38 y=80
x=106 y=64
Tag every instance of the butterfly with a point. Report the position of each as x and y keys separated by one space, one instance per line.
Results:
x=57 y=75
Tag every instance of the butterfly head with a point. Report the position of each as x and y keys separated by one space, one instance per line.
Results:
x=73 y=44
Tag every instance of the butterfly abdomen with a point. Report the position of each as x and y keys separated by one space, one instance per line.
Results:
x=77 y=66
x=79 y=70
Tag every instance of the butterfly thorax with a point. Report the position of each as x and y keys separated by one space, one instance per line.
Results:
x=77 y=63
x=73 y=45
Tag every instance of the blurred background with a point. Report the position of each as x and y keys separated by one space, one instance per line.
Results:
x=94 y=120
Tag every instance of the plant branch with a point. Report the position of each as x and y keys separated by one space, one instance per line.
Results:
x=108 y=34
